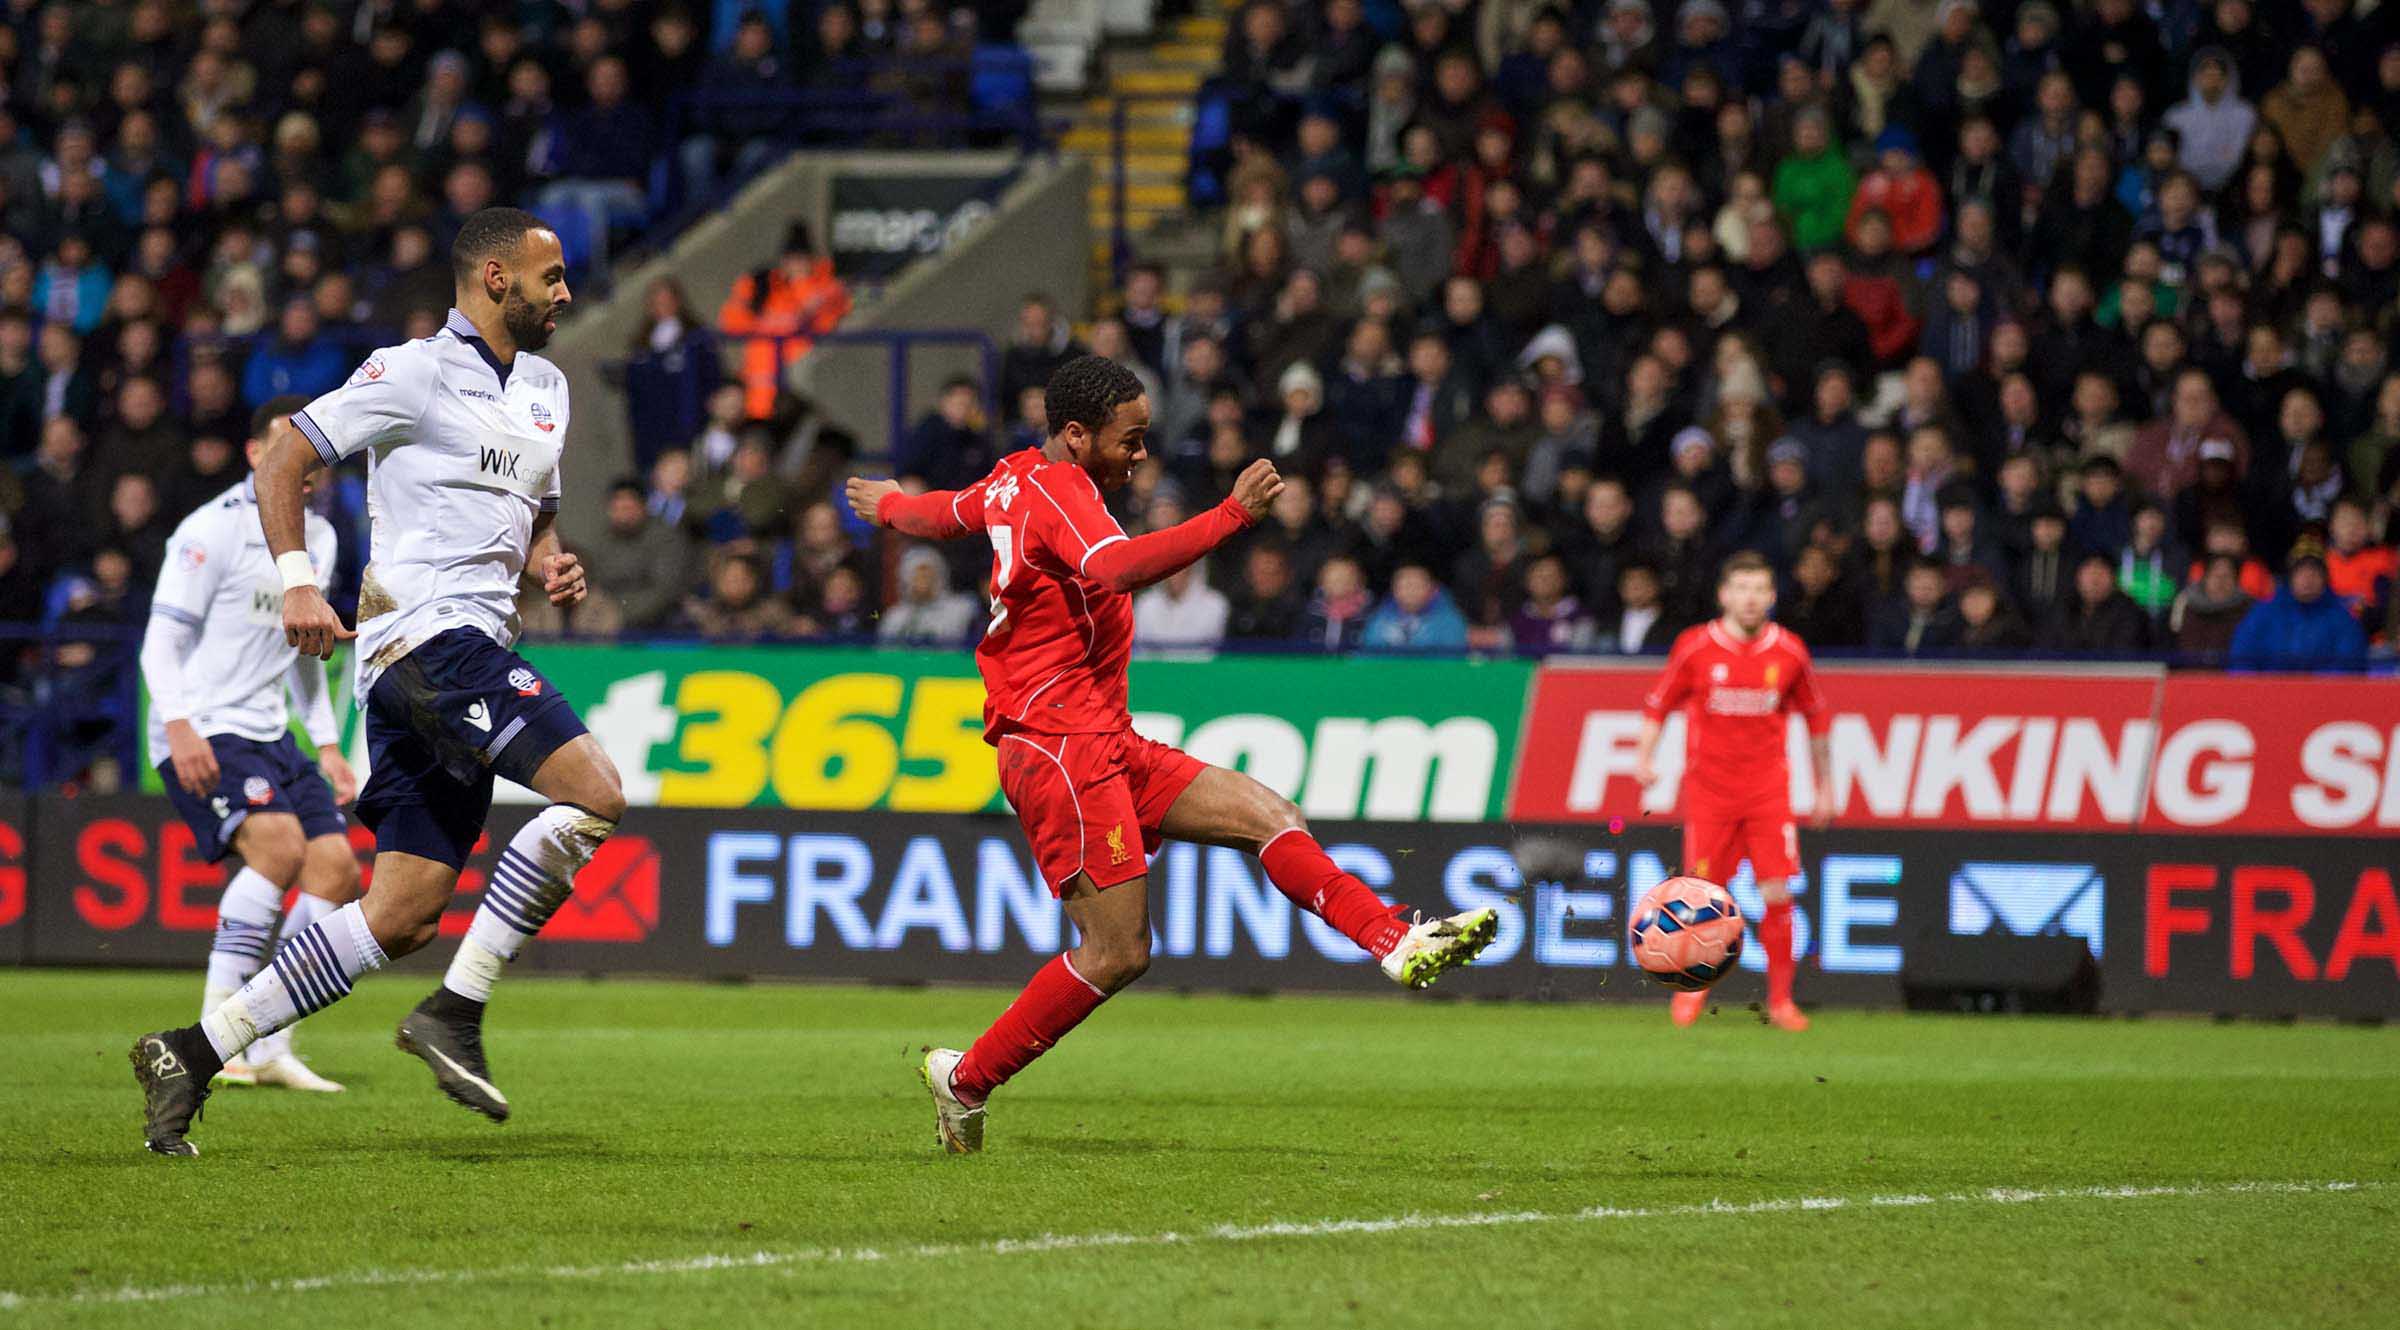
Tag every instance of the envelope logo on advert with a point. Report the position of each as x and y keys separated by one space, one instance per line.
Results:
x=615 y=897
x=2029 y=900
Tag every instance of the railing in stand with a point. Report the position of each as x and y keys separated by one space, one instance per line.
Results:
x=1120 y=231
x=59 y=715
x=898 y=343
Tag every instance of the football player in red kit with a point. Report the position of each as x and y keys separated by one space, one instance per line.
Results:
x=1095 y=798
x=1735 y=678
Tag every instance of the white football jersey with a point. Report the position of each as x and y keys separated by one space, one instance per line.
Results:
x=220 y=581
x=462 y=455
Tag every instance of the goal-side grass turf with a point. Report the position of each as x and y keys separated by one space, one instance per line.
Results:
x=727 y=1156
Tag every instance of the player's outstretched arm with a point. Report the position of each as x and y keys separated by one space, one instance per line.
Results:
x=308 y=622
x=1129 y=565
x=933 y=515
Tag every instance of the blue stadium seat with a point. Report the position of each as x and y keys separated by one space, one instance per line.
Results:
x=574 y=238
x=1212 y=139
x=1002 y=81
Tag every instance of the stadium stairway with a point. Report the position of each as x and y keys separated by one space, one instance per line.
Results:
x=1158 y=77
x=974 y=285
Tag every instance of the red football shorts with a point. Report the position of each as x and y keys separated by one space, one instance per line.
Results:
x=1715 y=843
x=1092 y=803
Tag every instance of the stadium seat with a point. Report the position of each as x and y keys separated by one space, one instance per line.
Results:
x=1212 y=137
x=1002 y=83
x=574 y=238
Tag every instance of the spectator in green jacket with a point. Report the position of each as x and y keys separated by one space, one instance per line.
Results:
x=1813 y=186
x=2152 y=566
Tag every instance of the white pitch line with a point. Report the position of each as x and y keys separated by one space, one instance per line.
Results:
x=1067 y=1242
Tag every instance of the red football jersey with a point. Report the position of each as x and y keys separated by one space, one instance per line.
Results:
x=1735 y=695
x=1054 y=659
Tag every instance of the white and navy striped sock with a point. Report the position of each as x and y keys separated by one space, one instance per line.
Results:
x=306 y=910
x=535 y=875
x=245 y=930
x=310 y=972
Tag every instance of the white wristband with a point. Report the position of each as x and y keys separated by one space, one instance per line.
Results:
x=296 y=569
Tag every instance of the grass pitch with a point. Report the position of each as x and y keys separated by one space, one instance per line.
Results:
x=735 y=1156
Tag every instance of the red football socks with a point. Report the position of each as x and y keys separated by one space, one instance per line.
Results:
x=1300 y=869
x=1775 y=936
x=1055 y=1001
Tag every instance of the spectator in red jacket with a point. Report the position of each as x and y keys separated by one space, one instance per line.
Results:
x=1877 y=291
x=1903 y=191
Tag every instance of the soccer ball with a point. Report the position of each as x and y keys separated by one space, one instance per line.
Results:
x=1686 y=933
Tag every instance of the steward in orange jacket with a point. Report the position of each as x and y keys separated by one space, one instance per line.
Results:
x=796 y=299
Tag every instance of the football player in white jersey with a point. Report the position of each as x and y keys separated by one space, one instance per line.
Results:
x=463 y=432
x=218 y=668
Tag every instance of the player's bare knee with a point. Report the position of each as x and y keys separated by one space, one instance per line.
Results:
x=1111 y=964
x=608 y=798
x=590 y=781
x=605 y=788
x=330 y=871
x=273 y=848
x=398 y=930
x=1111 y=957
x=1132 y=966
x=1275 y=816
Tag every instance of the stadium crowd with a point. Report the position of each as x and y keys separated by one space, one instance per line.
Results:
x=205 y=204
x=1995 y=326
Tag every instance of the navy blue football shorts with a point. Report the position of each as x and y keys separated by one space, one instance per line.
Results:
x=254 y=777
x=442 y=721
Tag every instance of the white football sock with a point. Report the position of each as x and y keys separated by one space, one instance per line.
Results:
x=535 y=875
x=306 y=910
x=311 y=972
x=245 y=933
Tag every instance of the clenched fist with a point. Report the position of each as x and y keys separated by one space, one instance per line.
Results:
x=563 y=580
x=866 y=496
x=1256 y=488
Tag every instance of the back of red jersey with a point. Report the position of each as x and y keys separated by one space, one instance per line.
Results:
x=1735 y=695
x=1054 y=659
